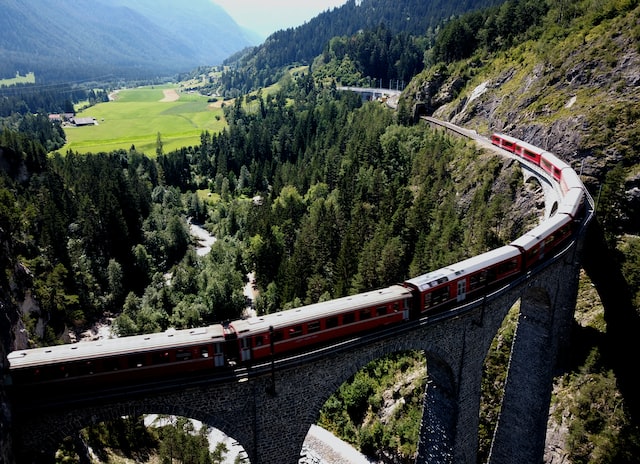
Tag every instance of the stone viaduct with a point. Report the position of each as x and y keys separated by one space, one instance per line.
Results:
x=271 y=424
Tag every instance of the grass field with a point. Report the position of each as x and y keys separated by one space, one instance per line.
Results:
x=29 y=78
x=136 y=116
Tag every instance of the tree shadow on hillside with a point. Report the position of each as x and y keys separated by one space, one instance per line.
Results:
x=621 y=343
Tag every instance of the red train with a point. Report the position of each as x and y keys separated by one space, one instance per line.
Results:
x=242 y=342
x=560 y=171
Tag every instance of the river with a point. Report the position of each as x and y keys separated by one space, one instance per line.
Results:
x=204 y=238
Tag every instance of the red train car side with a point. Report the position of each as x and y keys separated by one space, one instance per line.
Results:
x=463 y=280
x=120 y=360
x=504 y=141
x=295 y=329
x=543 y=239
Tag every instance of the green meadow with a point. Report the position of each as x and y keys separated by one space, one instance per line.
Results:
x=136 y=117
x=29 y=78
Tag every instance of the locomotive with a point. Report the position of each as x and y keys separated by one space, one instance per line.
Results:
x=259 y=339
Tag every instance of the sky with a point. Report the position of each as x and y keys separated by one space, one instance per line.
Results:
x=268 y=16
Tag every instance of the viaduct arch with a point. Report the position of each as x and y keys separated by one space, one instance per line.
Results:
x=272 y=425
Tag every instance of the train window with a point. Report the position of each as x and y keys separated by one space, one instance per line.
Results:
x=277 y=335
x=440 y=296
x=257 y=341
x=348 y=318
x=508 y=267
x=382 y=310
x=295 y=331
x=183 y=355
x=110 y=364
x=160 y=357
x=332 y=322
x=313 y=326
x=204 y=352
x=529 y=155
x=365 y=314
x=477 y=280
x=427 y=300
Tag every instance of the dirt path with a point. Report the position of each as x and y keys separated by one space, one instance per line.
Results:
x=170 y=95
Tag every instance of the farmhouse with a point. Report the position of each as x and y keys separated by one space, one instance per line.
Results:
x=84 y=122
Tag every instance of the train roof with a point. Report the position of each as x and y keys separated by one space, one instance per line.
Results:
x=321 y=310
x=468 y=266
x=572 y=202
x=538 y=233
x=170 y=338
x=552 y=158
x=476 y=263
x=506 y=137
x=570 y=178
x=531 y=148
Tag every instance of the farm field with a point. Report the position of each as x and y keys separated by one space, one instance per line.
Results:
x=136 y=116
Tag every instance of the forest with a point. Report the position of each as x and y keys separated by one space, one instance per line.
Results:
x=352 y=197
x=352 y=201
x=101 y=232
x=404 y=22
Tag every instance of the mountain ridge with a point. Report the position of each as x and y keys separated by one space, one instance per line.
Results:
x=85 y=39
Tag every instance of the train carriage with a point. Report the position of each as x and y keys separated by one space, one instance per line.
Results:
x=463 y=280
x=121 y=360
x=543 y=239
x=553 y=165
x=569 y=180
x=550 y=163
x=315 y=324
x=529 y=152
x=504 y=141
x=573 y=204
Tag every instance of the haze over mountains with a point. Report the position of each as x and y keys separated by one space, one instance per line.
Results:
x=69 y=41
x=80 y=39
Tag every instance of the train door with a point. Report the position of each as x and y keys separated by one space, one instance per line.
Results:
x=231 y=348
x=462 y=289
x=218 y=354
x=245 y=349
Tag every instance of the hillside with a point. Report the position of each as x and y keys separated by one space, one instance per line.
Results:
x=573 y=89
x=259 y=66
x=71 y=41
x=572 y=86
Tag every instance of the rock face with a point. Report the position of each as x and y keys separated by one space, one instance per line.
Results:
x=14 y=282
x=577 y=98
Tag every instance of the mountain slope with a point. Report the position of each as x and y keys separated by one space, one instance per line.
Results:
x=574 y=89
x=204 y=26
x=304 y=43
x=84 y=39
